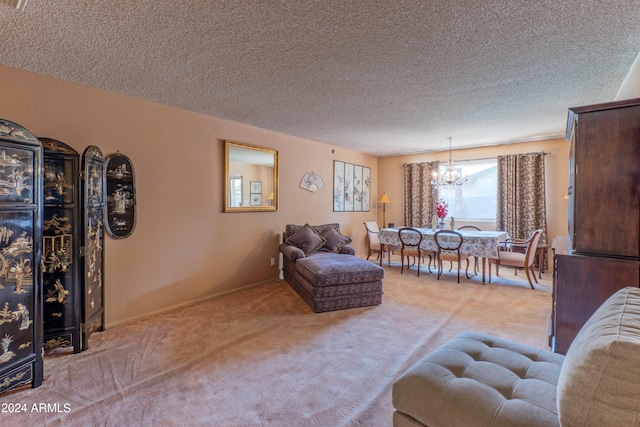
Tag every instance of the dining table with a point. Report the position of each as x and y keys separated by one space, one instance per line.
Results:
x=481 y=244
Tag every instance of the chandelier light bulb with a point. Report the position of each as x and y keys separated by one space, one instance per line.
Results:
x=451 y=177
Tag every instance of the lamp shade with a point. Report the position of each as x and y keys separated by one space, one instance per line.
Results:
x=384 y=198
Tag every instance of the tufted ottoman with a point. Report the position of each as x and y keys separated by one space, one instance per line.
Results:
x=476 y=379
x=328 y=281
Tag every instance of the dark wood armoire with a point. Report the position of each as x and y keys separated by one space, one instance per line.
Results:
x=603 y=250
x=20 y=257
x=61 y=279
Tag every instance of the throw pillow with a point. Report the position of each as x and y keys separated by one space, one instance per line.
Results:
x=335 y=240
x=306 y=239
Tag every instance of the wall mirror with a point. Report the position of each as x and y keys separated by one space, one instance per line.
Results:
x=251 y=178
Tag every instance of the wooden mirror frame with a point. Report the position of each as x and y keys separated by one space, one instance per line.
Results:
x=248 y=161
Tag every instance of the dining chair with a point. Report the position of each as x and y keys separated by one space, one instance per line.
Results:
x=518 y=260
x=449 y=243
x=475 y=258
x=410 y=238
x=470 y=227
x=374 y=242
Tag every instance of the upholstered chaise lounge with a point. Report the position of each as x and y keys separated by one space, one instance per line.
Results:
x=319 y=264
x=479 y=380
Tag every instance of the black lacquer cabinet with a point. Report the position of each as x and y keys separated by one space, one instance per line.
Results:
x=20 y=257
x=61 y=282
x=92 y=253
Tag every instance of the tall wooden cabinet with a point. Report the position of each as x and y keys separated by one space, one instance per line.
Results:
x=20 y=256
x=603 y=252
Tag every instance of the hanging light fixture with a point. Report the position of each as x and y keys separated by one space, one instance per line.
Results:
x=451 y=177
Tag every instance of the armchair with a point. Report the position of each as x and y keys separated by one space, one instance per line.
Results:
x=518 y=260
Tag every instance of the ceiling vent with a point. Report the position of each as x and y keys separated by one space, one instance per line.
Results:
x=16 y=4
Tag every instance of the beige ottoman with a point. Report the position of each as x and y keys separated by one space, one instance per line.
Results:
x=479 y=380
x=476 y=379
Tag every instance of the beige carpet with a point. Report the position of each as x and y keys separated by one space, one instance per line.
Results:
x=261 y=357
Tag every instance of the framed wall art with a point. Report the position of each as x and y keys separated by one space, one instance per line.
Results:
x=351 y=187
x=256 y=187
x=256 y=199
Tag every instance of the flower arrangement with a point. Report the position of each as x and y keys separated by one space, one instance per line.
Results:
x=442 y=208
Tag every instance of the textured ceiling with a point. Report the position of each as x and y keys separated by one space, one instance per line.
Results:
x=377 y=76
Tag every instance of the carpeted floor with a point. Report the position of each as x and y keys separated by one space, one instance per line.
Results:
x=261 y=357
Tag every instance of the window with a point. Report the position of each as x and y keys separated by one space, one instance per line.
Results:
x=475 y=200
x=235 y=190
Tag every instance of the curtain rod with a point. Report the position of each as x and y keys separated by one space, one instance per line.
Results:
x=545 y=153
x=491 y=158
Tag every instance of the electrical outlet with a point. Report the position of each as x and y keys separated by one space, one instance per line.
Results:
x=273 y=261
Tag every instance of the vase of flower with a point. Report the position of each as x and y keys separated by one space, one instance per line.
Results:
x=442 y=208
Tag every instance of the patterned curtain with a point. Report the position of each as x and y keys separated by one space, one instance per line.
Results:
x=521 y=195
x=418 y=193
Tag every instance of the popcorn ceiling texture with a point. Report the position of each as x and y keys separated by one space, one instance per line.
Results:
x=377 y=76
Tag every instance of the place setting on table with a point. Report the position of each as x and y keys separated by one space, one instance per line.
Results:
x=481 y=244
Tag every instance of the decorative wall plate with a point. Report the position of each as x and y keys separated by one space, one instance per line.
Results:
x=312 y=182
x=121 y=196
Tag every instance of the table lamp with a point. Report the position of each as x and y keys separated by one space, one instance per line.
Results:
x=384 y=199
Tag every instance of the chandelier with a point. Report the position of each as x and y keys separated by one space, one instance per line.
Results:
x=451 y=177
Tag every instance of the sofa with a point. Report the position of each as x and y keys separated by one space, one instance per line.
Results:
x=477 y=379
x=321 y=266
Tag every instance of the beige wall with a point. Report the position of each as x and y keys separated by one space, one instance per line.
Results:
x=184 y=246
x=556 y=170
